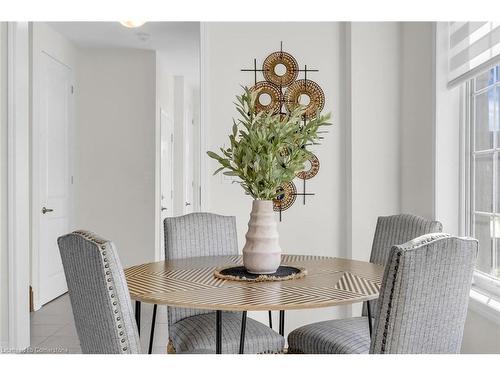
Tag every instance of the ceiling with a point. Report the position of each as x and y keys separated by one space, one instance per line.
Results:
x=152 y=35
x=180 y=41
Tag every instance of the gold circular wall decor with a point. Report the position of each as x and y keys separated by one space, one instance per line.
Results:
x=312 y=171
x=274 y=93
x=287 y=193
x=309 y=88
x=280 y=59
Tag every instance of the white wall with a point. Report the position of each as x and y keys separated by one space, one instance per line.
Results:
x=183 y=63
x=374 y=188
x=4 y=292
x=372 y=132
x=366 y=102
x=417 y=119
x=115 y=149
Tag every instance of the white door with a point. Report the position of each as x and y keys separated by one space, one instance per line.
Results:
x=54 y=174
x=166 y=170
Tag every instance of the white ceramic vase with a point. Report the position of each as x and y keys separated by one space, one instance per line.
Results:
x=262 y=251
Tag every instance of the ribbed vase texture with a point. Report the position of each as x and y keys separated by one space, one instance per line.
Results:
x=262 y=251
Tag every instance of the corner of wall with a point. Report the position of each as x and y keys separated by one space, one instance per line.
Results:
x=448 y=136
x=346 y=118
x=434 y=120
x=4 y=292
x=417 y=119
x=204 y=116
x=400 y=114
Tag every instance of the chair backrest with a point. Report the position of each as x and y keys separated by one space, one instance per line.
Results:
x=194 y=235
x=99 y=294
x=424 y=296
x=397 y=230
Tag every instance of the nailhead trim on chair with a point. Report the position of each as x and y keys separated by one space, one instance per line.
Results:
x=102 y=244
x=386 y=326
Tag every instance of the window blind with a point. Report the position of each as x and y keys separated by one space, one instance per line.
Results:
x=473 y=47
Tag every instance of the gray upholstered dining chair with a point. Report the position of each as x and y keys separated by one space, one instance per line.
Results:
x=352 y=335
x=99 y=295
x=423 y=300
x=207 y=234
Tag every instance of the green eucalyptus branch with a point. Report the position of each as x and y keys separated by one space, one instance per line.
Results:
x=266 y=150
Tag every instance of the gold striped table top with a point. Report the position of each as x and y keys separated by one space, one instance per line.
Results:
x=191 y=283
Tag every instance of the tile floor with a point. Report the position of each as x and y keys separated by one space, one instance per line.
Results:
x=53 y=328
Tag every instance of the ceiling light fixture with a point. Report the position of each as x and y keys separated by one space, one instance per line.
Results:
x=132 y=24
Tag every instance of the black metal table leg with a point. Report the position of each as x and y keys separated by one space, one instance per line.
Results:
x=152 y=334
x=138 y=315
x=270 y=319
x=369 y=317
x=243 y=328
x=218 y=332
x=282 y=323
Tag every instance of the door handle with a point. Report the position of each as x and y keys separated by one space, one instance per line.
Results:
x=188 y=204
x=164 y=208
x=45 y=210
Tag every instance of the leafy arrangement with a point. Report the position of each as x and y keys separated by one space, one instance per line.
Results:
x=267 y=150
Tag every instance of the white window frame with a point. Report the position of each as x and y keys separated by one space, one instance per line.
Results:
x=471 y=154
x=485 y=292
x=485 y=296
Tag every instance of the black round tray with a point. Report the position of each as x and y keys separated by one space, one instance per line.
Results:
x=239 y=273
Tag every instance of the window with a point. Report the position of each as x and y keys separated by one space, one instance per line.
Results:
x=484 y=168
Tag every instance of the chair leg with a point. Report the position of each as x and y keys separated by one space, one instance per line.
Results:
x=152 y=334
x=242 y=335
x=218 y=332
x=138 y=316
x=270 y=319
x=369 y=317
x=282 y=323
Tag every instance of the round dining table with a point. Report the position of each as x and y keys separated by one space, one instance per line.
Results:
x=191 y=283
